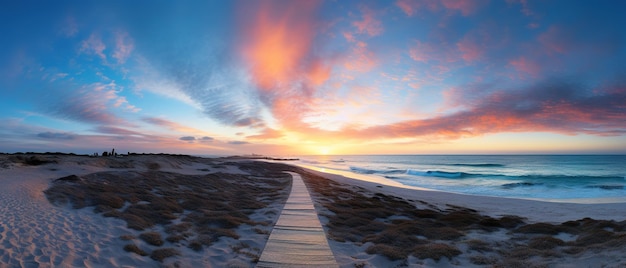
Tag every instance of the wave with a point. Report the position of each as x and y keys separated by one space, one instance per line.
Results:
x=377 y=171
x=534 y=178
x=520 y=184
x=437 y=173
x=607 y=187
x=475 y=165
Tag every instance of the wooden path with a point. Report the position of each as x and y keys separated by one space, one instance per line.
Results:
x=297 y=239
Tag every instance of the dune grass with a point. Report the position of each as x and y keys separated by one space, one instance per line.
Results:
x=209 y=206
x=398 y=228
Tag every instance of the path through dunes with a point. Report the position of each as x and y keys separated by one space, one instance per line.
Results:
x=298 y=239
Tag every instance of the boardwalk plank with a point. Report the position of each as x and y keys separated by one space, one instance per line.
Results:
x=298 y=239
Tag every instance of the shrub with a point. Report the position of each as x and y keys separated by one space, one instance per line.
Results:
x=152 y=238
x=133 y=248
x=163 y=253
x=435 y=251
x=545 y=242
x=391 y=252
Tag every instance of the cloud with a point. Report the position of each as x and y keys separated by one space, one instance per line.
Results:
x=169 y=124
x=124 y=46
x=470 y=49
x=88 y=105
x=117 y=131
x=206 y=139
x=522 y=64
x=368 y=24
x=266 y=134
x=556 y=39
x=56 y=135
x=187 y=138
x=361 y=59
x=238 y=142
x=424 y=52
x=277 y=47
x=466 y=7
x=93 y=45
x=410 y=7
x=557 y=105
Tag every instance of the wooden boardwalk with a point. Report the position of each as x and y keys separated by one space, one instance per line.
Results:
x=297 y=239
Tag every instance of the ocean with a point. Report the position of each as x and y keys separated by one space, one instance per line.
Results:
x=544 y=177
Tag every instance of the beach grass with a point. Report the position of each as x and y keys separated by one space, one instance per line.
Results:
x=195 y=211
x=397 y=229
x=205 y=207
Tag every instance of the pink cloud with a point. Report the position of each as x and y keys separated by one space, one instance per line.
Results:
x=361 y=59
x=170 y=125
x=466 y=7
x=555 y=39
x=277 y=47
x=93 y=45
x=470 y=49
x=349 y=37
x=368 y=24
x=124 y=45
x=422 y=52
x=408 y=6
x=524 y=65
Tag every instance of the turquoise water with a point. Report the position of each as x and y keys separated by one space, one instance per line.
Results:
x=516 y=176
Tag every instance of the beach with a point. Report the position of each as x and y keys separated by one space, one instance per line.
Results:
x=62 y=210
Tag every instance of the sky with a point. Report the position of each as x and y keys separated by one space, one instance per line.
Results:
x=314 y=77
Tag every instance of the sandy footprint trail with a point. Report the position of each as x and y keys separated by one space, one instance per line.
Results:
x=34 y=233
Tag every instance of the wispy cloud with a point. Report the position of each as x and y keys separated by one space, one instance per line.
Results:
x=56 y=135
x=555 y=106
x=368 y=24
x=94 y=45
x=170 y=125
x=466 y=7
x=124 y=46
x=238 y=142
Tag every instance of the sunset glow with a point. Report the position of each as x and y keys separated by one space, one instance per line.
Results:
x=314 y=77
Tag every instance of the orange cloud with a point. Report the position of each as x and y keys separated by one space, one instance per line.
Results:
x=277 y=47
x=278 y=41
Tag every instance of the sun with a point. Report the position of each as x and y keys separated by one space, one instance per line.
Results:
x=324 y=150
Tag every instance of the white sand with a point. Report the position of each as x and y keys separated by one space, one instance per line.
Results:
x=350 y=254
x=533 y=210
x=34 y=233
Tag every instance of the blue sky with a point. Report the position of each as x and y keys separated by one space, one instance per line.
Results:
x=312 y=77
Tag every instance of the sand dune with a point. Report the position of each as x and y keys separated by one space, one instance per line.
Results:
x=368 y=223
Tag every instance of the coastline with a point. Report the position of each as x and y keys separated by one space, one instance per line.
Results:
x=534 y=210
x=367 y=222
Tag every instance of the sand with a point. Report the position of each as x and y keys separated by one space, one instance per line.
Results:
x=35 y=233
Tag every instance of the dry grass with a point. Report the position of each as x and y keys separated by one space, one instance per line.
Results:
x=435 y=251
x=214 y=204
x=398 y=228
x=135 y=249
x=164 y=253
x=152 y=238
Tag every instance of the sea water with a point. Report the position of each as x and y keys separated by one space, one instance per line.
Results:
x=550 y=177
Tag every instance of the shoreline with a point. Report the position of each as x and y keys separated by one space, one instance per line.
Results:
x=536 y=210
x=388 y=182
x=367 y=223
